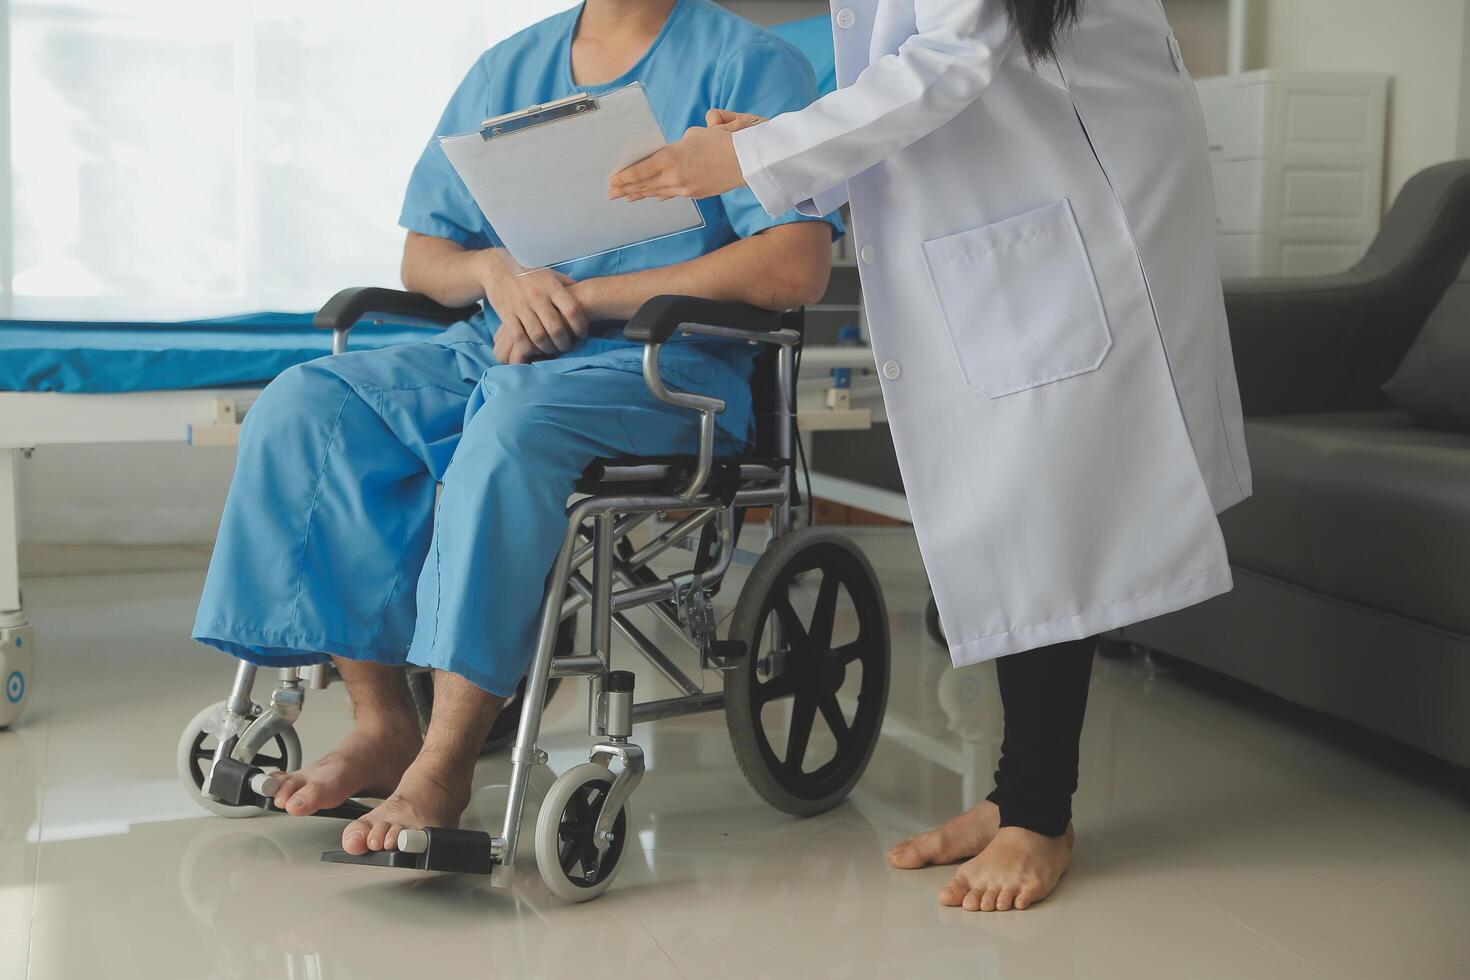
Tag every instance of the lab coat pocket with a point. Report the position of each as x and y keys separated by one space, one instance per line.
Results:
x=1019 y=301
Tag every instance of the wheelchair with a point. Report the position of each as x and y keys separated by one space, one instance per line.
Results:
x=781 y=644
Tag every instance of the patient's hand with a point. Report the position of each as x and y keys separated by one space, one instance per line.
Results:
x=539 y=315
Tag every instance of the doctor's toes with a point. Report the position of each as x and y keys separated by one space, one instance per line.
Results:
x=1015 y=871
x=957 y=839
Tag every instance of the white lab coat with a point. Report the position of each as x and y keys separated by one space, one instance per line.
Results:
x=1038 y=263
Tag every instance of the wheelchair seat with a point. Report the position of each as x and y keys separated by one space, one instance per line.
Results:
x=667 y=474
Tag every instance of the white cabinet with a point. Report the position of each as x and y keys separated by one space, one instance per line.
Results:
x=1297 y=159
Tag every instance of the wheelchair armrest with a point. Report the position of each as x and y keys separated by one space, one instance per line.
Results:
x=350 y=306
x=663 y=316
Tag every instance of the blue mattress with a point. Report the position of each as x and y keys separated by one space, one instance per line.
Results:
x=813 y=35
x=51 y=355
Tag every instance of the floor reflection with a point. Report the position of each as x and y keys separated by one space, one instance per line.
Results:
x=1217 y=838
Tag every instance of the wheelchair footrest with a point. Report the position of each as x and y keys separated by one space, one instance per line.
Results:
x=726 y=654
x=443 y=849
x=234 y=783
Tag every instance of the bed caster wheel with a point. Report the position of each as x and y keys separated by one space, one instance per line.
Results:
x=17 y=662
x=1112 y=647
x=933 y=625
x=565 y=850
x=196 y=754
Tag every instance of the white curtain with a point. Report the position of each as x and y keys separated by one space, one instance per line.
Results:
x=174 y=158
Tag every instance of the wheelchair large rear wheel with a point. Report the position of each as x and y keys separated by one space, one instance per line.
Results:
x=503 y=730
x=804 y=714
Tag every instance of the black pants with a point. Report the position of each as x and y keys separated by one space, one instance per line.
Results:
x=1044 y=695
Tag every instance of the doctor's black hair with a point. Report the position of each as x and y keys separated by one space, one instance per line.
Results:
x=1039 y=23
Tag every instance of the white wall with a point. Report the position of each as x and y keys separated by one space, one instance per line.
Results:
x=769 y=12
x=1203 y=29
x=1422 y=44
x=1464 y=147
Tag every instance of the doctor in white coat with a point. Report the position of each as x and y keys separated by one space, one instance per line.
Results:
x=1034 y=221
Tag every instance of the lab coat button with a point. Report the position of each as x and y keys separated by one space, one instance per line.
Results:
x=846 y=18
x=1176 y=53
x=867 y=254
x=891 y=370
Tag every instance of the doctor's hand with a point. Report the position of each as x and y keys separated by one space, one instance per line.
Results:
x=732 y=122
x=702 y=164
x=539 y=316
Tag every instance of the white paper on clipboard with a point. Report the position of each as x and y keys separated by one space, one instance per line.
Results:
x=540 y=176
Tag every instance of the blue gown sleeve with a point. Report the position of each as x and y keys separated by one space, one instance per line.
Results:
x=437 y=202
x=766 y=78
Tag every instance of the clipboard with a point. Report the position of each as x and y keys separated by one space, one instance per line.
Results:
x=540 y=177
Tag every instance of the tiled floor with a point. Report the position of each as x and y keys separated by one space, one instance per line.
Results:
x=1218 y=836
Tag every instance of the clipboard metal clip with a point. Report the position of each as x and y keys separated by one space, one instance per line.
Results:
x=536 y=115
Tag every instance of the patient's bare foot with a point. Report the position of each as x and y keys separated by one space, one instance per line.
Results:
x=368 y=762
x=1016 y=870
x=958 y=838
x=431 y=794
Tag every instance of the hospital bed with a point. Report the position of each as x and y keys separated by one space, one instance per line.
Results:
x=66 y=383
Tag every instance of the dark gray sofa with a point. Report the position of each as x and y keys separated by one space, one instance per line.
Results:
x=1352 y=559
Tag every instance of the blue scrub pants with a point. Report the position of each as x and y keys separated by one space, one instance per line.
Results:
x=330 y=544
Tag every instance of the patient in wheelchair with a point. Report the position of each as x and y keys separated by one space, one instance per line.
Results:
x=331 y=546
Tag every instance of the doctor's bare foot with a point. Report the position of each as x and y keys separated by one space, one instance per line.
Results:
x=1015 y=871
x=373 y=757
x=957 y=839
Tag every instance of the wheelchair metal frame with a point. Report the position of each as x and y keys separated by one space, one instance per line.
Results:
x=595 y=524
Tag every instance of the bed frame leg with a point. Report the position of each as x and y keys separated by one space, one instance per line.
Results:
x=17 y=646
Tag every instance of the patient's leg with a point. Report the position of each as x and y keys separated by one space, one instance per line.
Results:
x=501 y=517
x=530 y=431
x=435 y=789
x=373 y=757
x=330 y=509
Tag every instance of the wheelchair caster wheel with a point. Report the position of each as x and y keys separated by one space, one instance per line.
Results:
x=196 y=753
x=831 y=664
x=565 y=850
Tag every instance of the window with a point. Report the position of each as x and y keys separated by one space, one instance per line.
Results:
x=173 y=158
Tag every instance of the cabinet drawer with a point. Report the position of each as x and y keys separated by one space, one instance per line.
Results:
x=1235 y=120
x=1318 y=258
x=1241 y=256
x=1240 y=189
x=1321 y=194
